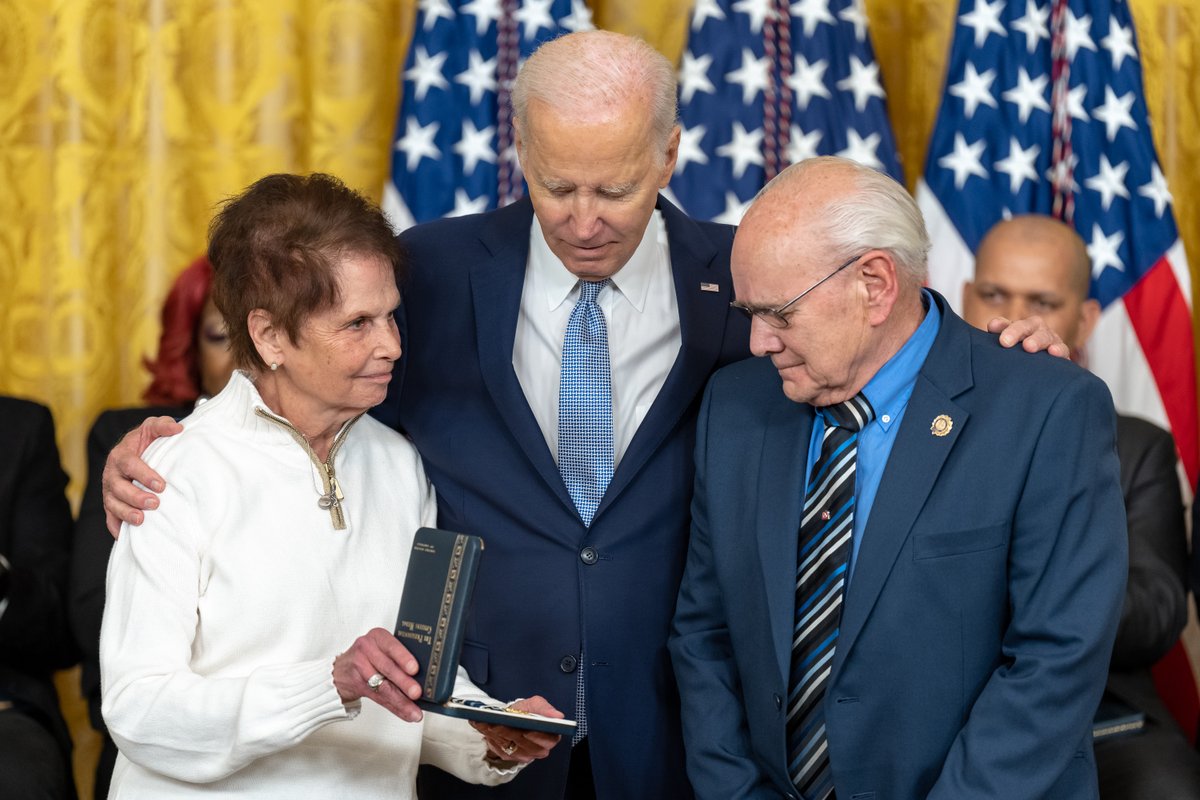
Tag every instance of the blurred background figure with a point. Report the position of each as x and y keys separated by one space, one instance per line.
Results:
x=35 y=640
x=193 y=358
x=193 y=363
x=1035 y=264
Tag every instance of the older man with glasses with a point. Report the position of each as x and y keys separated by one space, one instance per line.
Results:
x=905 y=570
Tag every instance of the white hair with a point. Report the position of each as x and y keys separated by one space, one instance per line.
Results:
x=878 y=214
x=590 y=71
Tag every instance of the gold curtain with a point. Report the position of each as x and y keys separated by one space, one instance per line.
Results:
x=122 y=124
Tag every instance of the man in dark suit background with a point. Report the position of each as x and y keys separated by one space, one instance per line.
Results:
x=572 y=603
x=1035 y=264
x=35 y=639
x=942 y=623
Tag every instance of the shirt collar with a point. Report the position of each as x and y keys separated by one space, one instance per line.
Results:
x=888 y=391
x=556 y=283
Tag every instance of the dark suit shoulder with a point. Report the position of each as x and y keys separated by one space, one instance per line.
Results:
x=674 y=215
x=719 y=239
x=445 y=237
x=28 y=433
x=751 y=371
x=996 y=367
x=1137 y=435
x=752 y=384
x=111 y=425
x=21 y=414
x=441 y=230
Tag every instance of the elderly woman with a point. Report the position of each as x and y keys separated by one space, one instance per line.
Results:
x=229 y=655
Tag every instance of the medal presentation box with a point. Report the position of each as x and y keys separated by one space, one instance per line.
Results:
x=431 y=624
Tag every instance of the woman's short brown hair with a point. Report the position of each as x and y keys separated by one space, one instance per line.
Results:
x=277 y=246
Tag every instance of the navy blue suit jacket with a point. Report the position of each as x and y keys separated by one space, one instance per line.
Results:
x=548 y=588
x=979 y=619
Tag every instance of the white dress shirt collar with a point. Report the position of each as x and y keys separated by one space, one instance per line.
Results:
x=552 y=280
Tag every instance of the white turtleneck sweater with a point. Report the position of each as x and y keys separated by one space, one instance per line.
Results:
x=226 y=608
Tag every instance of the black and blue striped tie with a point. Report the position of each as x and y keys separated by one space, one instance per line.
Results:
x=826 y=531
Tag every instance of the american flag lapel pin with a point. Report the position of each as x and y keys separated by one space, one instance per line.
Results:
x=709 y=287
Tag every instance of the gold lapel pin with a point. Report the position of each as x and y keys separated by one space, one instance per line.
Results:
x=709 y=287
x=942 y=425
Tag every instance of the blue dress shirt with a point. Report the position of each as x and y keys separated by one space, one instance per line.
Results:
x=888 y=392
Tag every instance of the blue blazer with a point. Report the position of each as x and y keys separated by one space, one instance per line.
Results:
x=548 y=588
x=979 y=619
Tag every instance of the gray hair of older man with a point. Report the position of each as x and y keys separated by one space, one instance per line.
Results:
x=581 y=73
x=877 y=213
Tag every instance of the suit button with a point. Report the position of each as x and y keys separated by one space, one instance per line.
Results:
x=589 y=556
x=778 y=703
x=568 y=664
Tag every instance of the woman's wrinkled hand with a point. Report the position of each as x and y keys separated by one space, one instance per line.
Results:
x=380 y=669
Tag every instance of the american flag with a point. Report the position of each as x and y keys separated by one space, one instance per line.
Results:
x=1044 y=112
x=453 y=150
x=766 y=83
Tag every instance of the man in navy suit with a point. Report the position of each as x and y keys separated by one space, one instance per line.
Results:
x=577 y=611
x=974 y=568
x=572 y=609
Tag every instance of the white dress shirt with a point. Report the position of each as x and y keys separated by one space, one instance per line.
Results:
x=642 y=316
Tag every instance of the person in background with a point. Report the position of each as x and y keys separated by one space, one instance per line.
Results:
x=1035 y=264
x=193 y=363
x=595 y=284
x=249 y=619
x=1194 y=568
x=35 y=640
x=906 y=563
x=193 y=360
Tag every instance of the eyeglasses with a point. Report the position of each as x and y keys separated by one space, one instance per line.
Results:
x=779 y=317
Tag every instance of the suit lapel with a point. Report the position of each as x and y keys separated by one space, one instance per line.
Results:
x=701 y=321
x=916 y=460
x=780 y=504
x=496 y=286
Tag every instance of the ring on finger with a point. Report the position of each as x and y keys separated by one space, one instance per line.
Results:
x=375 y=681
x=510 y=748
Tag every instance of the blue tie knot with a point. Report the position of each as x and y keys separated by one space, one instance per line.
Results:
x=852 y=414
x=590 y=290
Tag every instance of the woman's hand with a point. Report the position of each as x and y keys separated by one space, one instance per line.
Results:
x=379 y=668
x=517 y=744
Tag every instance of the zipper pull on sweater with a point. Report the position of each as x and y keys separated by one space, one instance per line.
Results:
x=332 y=497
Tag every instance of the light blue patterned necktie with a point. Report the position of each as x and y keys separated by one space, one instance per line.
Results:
x=585 y=415
x=585 y=430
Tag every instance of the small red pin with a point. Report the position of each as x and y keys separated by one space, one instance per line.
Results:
x=825 y=515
